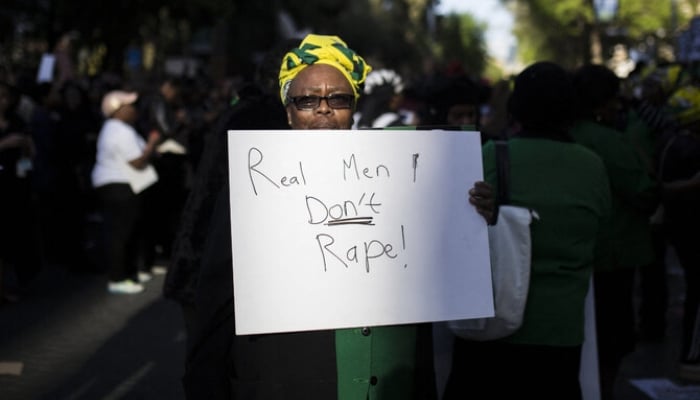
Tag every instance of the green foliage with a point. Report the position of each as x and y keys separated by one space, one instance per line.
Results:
x=561 y=30
x=642 y=17
x=461 y=39
x=389 y=34
x=392 y=33
x=550 y=31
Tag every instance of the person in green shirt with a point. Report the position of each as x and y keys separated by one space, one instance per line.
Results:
x=679 y=173
x=567 y=186
x=635 y=197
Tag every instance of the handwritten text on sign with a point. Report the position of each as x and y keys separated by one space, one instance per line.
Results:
x=336 y=229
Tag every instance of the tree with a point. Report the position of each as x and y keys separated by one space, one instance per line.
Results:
x=460 y=38
x=395 y=34
x=565 y=30
x=391 y=34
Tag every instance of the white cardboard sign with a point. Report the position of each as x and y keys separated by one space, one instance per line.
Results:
x=337 y=229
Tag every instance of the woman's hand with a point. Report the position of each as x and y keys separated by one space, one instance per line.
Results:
x=481 y=197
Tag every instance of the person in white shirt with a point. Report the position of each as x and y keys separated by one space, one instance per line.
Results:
x=121 y=174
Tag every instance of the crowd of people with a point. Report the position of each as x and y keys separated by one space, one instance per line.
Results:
x=611 y=165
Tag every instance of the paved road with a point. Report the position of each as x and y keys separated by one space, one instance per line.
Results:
x=77 y=342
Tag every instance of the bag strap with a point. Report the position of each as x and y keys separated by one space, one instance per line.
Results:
x=503 y=172
x=503 y=176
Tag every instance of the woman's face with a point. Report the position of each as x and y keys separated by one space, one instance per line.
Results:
x=323 y=81
x=462 y=114
x=127 y=113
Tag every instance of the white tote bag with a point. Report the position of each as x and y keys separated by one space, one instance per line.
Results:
x=509 y=245
x=510 y=249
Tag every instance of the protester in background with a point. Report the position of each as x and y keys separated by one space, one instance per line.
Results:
x=250 y=106
x=320 y=82
x=19 y=252
x=56 y=181
x=64 y=51
x=567 y=186
x=121 y=174
x=162 y=112
x=79 y=126
x=634 y=198
x=46 y=174
x=679 y=171
x=494 y=120
x=454 y=101
x=647 y=122
x=203 y=102
x=380 y=105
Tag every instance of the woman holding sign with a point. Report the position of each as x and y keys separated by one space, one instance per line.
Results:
x=320 y=83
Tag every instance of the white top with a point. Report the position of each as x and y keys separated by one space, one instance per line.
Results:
x=117 y=144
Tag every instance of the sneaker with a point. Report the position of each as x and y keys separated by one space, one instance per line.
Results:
x=125 y=287
x=159 y=270
x=144 y=277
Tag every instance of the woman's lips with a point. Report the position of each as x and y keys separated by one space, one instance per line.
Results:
x=324 y=125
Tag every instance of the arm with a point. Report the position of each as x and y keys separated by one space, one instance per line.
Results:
x=481 y=197
x=142 y=161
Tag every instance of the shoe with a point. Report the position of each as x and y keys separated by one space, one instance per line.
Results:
x=159 y=270
x=144 y=277
x=125 y=287
x=690 y=371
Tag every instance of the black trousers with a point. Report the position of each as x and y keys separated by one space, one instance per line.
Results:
x=121 y=210
x=684 y=242
x=19 y=239
x=615 y=325
x=496 y=370
x=163 y=204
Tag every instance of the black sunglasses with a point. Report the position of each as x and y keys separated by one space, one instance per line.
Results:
x=335 y=101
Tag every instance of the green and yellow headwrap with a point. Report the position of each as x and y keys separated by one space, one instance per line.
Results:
x=322 y=49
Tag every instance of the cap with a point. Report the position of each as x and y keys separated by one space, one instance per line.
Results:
x=115 y=100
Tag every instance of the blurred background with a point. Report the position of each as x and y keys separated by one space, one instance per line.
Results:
x=67 y=338
x=224 y=38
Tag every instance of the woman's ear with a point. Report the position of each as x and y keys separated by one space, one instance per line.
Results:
x=289 y=115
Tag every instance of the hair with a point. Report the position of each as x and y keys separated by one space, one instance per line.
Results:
x=375 y=104
x=449 y=92
x=595 y=85
x=543 y=98
x=175 y=81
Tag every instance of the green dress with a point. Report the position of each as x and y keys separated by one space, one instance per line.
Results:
x=567 y=186
x=385 y=363
x=634 y=195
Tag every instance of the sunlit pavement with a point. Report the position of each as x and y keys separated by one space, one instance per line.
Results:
x=73 y=340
